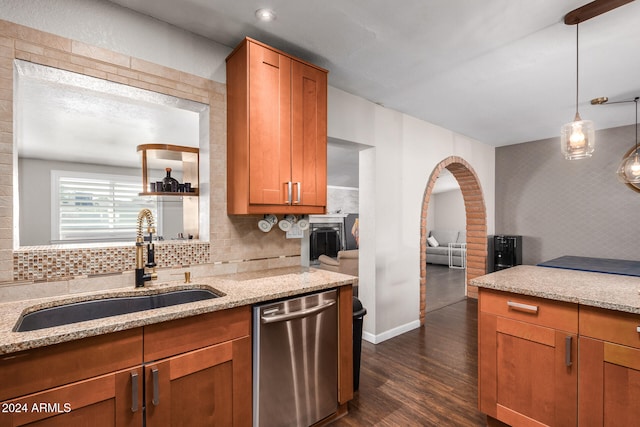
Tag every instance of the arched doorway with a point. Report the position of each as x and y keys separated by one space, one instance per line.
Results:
x=476 y=216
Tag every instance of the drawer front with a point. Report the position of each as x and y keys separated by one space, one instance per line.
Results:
x=613 y=326
x=191 y=333
x=43 y=368
x=538 y=311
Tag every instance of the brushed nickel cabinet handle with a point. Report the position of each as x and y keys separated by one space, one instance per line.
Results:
x=289 y=193
x=134 y=391
x=638 y=329
x=567 y=350
x=533 y=309
x=156 y=387
x=299 y=185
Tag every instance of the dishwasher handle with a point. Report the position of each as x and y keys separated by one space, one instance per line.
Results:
x=297 y=314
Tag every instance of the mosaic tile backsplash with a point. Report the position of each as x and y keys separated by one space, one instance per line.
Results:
x=58 y=263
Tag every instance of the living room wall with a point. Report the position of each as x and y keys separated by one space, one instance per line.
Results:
x=449 y=212
x=563 y=207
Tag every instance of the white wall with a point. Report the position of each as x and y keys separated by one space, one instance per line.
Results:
x=393 y=178
x=393 y=174
x=449 y=211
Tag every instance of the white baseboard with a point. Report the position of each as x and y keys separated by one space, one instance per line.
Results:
x=377 y=339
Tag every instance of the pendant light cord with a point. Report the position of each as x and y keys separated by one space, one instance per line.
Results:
x=636 y=102
x=577 y=66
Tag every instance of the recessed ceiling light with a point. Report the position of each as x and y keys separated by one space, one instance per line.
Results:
x=265 y=15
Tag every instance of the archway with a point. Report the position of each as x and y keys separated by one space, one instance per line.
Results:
x=476 y=216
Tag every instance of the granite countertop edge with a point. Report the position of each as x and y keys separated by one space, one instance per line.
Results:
x=601 y=290
x=238 y=290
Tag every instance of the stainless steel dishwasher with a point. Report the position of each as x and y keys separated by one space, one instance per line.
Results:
x=295 y=360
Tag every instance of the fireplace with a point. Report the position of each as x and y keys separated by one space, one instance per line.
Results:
x=326 y=236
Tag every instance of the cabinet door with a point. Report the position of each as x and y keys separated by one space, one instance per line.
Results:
x=103 y=401
x=210 y=386
x=609 y=384
x=309 y=135
x=527 y=373
x=269 y=126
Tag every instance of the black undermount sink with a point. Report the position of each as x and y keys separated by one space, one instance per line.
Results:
x=98 y=309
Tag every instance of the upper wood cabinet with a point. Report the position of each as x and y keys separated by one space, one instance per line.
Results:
x=276 y=132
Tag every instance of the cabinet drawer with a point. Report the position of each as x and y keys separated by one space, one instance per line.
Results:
x=191 y=333
x=538 y=311
x=43 y=368
x=613 y=326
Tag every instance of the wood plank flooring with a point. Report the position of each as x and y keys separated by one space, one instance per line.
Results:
x=425 y=377
x=444 y=286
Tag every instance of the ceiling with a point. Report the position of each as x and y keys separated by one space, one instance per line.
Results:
x=499 y=71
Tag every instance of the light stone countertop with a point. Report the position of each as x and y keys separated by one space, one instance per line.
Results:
x=609 y=291
x=239 y=289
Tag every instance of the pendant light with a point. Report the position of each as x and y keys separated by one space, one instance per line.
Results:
x=629 y=170
x=577 y=138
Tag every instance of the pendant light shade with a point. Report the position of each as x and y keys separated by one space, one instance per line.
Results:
x=629 y=170
x=577 y=138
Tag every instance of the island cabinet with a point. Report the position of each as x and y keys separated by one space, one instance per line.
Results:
x=609 y=367
x=276 y=132
x=191 y=371
x=528 y=372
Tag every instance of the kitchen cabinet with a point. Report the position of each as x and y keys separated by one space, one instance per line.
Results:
x=276 y=132
x=106 y=400
x=609 y=367
x=67 y=384
x=192 y=369
x=198 y=370
x=528 y=371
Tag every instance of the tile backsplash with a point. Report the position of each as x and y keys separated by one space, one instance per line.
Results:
x=50 y=263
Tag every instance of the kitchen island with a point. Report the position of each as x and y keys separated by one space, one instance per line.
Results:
x=156 y=367
x=558 y=347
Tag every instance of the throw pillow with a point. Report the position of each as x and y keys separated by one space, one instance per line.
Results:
x=432 y=241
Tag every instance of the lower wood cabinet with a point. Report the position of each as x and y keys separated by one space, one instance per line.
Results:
x=186 y=372
x=527 y=357
x=108 y=400
x=609 y=368
x=202 y=387
x=549 y=363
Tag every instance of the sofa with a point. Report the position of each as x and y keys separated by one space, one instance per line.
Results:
x=346 y=263
x=438 y=247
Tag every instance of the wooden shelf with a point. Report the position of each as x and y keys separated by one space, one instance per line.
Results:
x=181 y=159
x=195 y=193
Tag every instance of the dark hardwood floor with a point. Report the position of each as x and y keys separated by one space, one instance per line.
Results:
x=425 y=377
x=444 y=286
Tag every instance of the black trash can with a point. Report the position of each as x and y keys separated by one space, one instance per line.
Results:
x=358 y=315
